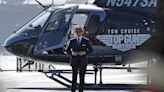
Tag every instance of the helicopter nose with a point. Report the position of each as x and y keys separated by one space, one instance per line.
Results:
x=10 y=42
x=13 y=44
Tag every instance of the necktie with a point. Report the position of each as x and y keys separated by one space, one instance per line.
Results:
x=78 y=40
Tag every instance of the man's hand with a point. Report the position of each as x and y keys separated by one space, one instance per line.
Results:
x=74 y=53
x=82 y=53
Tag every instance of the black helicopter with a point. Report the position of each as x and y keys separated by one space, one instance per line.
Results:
x=120 y=31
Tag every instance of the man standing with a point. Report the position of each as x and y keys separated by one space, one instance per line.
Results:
x=78 y=48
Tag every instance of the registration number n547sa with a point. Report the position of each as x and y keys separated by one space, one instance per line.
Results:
x=132 y=3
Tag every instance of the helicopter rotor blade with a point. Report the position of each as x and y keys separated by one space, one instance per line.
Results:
x=41 y=4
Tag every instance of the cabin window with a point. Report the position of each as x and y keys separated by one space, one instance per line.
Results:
x=80 y=19
x=106 y=26
x=93 y=25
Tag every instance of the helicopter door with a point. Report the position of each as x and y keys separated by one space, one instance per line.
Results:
x=55 y=34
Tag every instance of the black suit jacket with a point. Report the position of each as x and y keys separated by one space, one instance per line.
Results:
x=85 y=45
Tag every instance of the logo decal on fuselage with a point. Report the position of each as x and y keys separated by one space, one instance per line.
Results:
x=124 y=41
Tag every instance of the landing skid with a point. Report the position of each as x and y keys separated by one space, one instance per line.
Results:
x=57 y=76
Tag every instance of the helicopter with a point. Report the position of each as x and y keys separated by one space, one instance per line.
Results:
x=120 y=31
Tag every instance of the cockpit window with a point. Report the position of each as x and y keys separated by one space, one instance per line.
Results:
x=54 y=22
x=59 y=20
x=41 y=20
x=52 y=26
x=38 y=21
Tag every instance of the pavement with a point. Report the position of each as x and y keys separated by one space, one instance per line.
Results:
x=38 y=82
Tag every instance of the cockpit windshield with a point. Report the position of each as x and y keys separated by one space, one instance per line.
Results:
x=38 y=21
x=41 y=20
